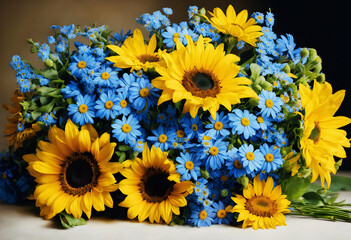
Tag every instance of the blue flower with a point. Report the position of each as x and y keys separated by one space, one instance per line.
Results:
x=126 y=130
x=272 y=156
x=264 y=122
x=142 y=94
x=201 y=216
x=218 y=128
x=68 y=31
x=82 y=111
x=106 y=77
x=172 y=35
x=215 y=154
x=167 y=11
x=192 y=126
x=126 y=82
x=162 y=138
x=82 y=64
x=222 y=215
x=234 y=163
x=44 y=51
x=252 y=159
x=16 y=63
x=192 y=11
x=259 y=17
x=269 y=19
x=48 y=119
x=188 y=167
x=243 y=123
x=120 y=37
x=269 y=104
x=107 y=106
x=51 y=40
x=70 y=90
x=122 y=105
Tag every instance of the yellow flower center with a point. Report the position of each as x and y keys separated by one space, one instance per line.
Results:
x=269 y=103
x=221 y=213
x=260 y=120
x=4 y=176
x=108 y=104
x=144 y=92
x=162 y=138
x=83 y=108
x=180 y=133
x=194 y=127
x=218 y=126
x=245 y=121
x=224 y=178
x=126 y=128
x=175 y=37
x=250 y=156
x=261 y=206
x=105 y=75
x=189 y=165
x=203 y=215
x=269 y=157
x=237 y=164
x=206 y=138
x=81 y=64
x=214 y=151
x=123 y=103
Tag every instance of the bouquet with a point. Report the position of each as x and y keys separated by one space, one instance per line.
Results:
x=214 y=120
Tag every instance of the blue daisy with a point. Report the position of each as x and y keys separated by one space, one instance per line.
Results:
x=188 y=167
x=107 y=106
x=83 y=110
x=122 y=105
x=252 y=160
x=142 y=94
x=162 y=138
x=126 y=130
x=106 y=77
x=243 y=122
x=222 y=215
x=218 y=128
x=215 y=154
x=234 y=163
x=192 y=126
x=81 y=64
x=269 y=104
x=272 y=156
x=201 y=216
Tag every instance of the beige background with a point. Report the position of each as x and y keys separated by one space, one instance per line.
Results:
x=22 y=19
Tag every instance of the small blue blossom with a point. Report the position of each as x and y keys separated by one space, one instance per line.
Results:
x=219 y=127
x=192 y=126
x=82 y=111
x=243 y=122
x=107 y=106
x=48 y=119
x=272 y=156
x=222 y=215
x=201 y=216
x=234 y=163
x=162 y=138
x=167 y=11
x=188 y=167
x=259 y=17
x=269 y=104
x=106 y=77
x=127 y=129
x=252 y=159
x=215 y=154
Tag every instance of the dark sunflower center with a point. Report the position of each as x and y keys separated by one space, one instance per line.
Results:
x=80 y=173
x=155 y=187
x=315 y=133
x=201 y=83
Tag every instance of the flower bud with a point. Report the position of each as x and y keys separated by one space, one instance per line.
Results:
x=304 y=53
x=202 y=11
x=48 y=63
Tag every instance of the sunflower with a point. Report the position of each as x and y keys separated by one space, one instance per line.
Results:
x=262 y=205
x=236 y=25
x=322 y=140
x=202 y=75
x=73 y=171
x=153 y=187
x=135 y=54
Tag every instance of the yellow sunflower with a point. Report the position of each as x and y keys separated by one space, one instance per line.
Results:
x=73 y=171
x=202 y=75
x=153 y=187
x=322 y=140
x=236 y=25
x=135 y=54
x=262 y=205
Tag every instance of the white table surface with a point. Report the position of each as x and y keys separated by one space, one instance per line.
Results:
x=21 y=222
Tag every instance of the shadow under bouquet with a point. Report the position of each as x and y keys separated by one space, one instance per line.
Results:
x=214 y=120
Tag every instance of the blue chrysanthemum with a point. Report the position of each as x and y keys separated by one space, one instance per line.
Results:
x=83 y=110
x=47 y=119
x=106 y=77
x=201 y=216
x=243 y=122
x=122 y=105
x=188 y=167
x=272 y=156
x=219 y=127
x=82 y=64
x=252 y=159
x=126 y=130
x=163 y=138
x=222 y=215
x=192 y=126
x=107 y=106
x=215 y=154
x=269 y=104
x=234 y=163
x=142 y=94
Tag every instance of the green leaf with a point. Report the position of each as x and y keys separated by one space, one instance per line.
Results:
x=295 y=187
x=122 y=157
x=313 y=198
x=48 y=107
x=340 y=183
x=68 y=221
x=48 y=73
x=123 y=148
